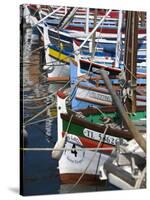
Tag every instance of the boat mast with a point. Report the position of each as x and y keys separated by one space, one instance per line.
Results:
x=118 y=44
x=130 y=59
x=87 y=21
x=94 y=34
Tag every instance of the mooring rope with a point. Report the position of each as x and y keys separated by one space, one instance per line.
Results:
x=99 y=110
x=66 y=149
x=39 y=121
x=38 y=114
x=36 y=99
x=66 y=132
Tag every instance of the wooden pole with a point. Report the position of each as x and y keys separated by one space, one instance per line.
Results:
x=130 y=59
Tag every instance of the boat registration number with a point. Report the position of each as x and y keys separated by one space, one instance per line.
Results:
x=100 y=137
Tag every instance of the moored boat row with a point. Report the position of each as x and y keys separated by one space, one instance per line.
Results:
x=91 y=51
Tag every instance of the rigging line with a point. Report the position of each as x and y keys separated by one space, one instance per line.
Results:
x=49 y=106
x=39 y=121
x=37 y=49
x=129 y=71
x=74 y=88
x=41 y=47
x=38 y=99
x=34 y=107
x=38 y=114
x=36 y=26
x=36 y=11
x=66 y=132
x=27 y=63
x=99 y=110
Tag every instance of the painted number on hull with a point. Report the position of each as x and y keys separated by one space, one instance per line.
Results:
x=100 y=136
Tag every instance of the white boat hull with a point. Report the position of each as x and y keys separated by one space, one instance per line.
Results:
x=71 y=167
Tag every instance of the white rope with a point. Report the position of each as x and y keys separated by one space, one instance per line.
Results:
x=48 y=16
x=36 y=99
x=38 y=121
x=66 y=132
x=67 y=149
x=38 y=114
x=99 y=110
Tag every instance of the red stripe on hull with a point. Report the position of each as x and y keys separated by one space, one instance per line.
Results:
x=93 y=144
x=102 y=30
x=88 y=143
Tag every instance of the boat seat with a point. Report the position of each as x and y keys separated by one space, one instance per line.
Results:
x=124 y=159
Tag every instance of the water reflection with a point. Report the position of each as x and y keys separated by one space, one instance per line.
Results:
x=40 y=174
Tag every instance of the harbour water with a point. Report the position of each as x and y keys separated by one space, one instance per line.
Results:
x=40 y=171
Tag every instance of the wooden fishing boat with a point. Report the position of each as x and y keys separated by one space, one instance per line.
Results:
x=63 y=40
x=64 y=51
x=93 y=128
x=90 y=124
x=55 y=70
x=86 y=128
x=88 y=90
x=78 y=22
x=97 y=63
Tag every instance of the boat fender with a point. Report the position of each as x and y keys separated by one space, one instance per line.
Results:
x=57 y=152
